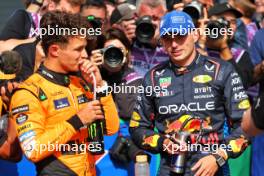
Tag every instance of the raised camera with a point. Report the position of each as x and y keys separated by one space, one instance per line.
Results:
x=95 y=22
x=113 y=57
x=194 y=9
x=145 y=29
x=216 y=28
x=124 y=150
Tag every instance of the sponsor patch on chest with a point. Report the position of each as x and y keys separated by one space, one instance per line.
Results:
x=61 y=103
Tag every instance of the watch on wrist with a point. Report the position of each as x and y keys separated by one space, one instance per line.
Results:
x=37 y=2
x=219 y=160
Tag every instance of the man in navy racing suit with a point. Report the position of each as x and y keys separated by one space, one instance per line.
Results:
x=198 y=95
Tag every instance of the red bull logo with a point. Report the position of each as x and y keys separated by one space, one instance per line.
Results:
x=151 y=140
x=191 y=126
x=238 y=144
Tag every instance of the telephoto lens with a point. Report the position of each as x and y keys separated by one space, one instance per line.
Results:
x=215 y=27
x=194 y=9
x=145 y=29
x=113 y=57
x=95 y=22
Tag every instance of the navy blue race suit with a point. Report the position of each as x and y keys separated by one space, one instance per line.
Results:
x=210 y=90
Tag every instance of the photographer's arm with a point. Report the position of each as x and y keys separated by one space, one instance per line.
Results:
x=96 y=57
x=243 y=68
x=128 y=27
x=10 y=44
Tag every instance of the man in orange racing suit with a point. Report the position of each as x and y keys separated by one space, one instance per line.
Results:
x=53 y=106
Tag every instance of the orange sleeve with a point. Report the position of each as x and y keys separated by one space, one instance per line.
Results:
x=111 y=114
x=30 y=118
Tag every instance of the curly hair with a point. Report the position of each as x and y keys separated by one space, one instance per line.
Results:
x=63 y=26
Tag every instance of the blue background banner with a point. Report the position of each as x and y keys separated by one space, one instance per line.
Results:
x=104 y=166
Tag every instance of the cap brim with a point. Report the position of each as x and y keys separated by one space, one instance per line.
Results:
x=173 y=33
x=237 y=13
x=128 y=16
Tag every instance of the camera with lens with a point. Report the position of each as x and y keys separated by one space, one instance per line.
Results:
x=124 y=150
x=216 y=28
x=194 y=9
x=145 y=29
x=95 y=22
x=113 y=58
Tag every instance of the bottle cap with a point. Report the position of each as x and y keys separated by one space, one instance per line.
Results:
x=141 y=158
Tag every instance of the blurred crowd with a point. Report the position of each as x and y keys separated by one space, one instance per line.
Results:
x=128 y=46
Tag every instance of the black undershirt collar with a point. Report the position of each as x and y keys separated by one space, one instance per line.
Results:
x=55 y=77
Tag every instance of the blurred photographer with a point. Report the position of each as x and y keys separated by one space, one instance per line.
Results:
x=10 y=65
x=221 y=28
x=114 y=60
x=124 y=18
x=253 y=121
x=28 y=21
x=142 y=30
x=259 y=16
x=96 y=13
x=181 y=4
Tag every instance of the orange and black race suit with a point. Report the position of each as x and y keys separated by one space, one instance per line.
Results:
x=49 y=130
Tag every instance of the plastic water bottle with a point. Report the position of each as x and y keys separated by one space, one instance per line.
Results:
x=142 y=166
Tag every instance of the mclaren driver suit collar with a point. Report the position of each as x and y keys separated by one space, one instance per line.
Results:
x=50 y=133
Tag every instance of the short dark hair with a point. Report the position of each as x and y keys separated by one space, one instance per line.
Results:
x=94 y=3
x=12 y=60
x=114 y=33
x=60 y=20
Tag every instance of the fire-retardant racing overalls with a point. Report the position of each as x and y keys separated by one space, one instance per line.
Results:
x=208 y=89
x=45 y=108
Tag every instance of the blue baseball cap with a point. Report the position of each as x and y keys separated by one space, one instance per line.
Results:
x=176 y=23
